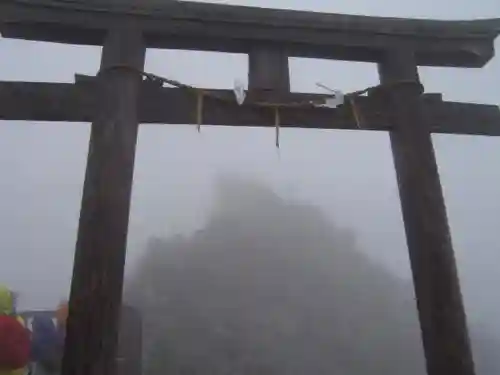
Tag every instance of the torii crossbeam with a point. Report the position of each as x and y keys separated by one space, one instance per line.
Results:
x=118 y=100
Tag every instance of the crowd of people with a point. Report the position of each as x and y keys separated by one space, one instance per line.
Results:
x=33 y=350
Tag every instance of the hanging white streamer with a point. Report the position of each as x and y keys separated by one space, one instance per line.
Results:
x=239 y=91
x=338 y=97
x=335 y=101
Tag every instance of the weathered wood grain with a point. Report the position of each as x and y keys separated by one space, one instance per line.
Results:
x=435 y=277
x=227 y=28
x=97 y=282
x=63 y=102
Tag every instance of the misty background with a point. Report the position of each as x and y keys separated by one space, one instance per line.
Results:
x=348 y=175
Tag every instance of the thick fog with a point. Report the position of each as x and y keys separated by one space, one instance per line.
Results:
x=349 y=175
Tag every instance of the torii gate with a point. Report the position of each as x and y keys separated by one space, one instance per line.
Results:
x=118 y=100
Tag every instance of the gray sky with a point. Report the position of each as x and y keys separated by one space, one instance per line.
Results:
x=43 y=164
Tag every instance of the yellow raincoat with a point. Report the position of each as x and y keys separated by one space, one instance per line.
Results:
x=7 y=308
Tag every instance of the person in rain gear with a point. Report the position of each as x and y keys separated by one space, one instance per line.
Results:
x=48 y=342
x=62 y=316
x=13 y=325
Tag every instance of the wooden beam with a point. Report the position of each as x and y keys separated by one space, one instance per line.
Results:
x=96 y=288
x=229 y=28
x=64 y=102
x=269 y=73
x=437 y=289
x=268 y=69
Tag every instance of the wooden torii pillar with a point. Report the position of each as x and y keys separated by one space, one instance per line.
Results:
x=435 y=278
x=117 y=101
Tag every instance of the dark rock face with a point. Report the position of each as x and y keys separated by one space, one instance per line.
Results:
x=271 y=287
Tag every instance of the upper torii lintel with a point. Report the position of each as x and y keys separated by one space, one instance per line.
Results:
x=228 y=28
